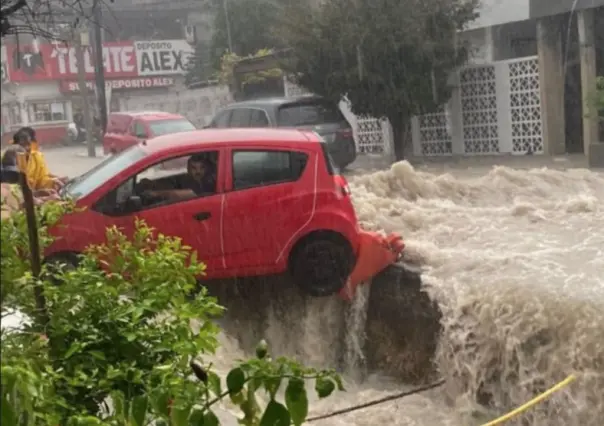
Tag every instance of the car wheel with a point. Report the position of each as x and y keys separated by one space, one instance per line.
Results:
x=321 y=267
x=61 y=262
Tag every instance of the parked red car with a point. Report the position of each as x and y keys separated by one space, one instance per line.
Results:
x=125 y=129
x=274 y=204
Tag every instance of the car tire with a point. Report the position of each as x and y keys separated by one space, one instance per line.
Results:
x=68 y=261
x=321 y=266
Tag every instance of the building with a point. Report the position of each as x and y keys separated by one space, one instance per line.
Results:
x=40 y=84
x=146 y=47
x=529 y=84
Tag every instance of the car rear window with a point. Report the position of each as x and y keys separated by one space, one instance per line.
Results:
x=309 y=113
x=118 y=123
x=164 y=127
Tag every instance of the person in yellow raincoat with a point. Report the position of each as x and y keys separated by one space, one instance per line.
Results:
x=36 y=170
x=11 y=196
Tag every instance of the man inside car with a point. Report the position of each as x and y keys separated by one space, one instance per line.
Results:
x=200 y=182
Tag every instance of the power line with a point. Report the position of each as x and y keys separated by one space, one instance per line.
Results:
x=377 y=401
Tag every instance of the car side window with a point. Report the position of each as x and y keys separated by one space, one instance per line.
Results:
x=253 y=168
x=259 y=118
x=241 y=117
x=166 y=182
x=139 y=130
x=221 y=121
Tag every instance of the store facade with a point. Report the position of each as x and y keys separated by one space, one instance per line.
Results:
x=40 y=82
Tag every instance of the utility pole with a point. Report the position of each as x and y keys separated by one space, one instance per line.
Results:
x=228 y=24
x=81 y=39
x=99 y=65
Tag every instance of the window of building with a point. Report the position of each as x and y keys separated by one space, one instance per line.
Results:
x=259 y=168
x=40 y=112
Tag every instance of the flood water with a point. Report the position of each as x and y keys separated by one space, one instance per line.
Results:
x=514 y=259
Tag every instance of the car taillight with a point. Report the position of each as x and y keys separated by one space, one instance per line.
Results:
x=345 y=133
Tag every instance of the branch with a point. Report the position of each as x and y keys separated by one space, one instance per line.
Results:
x=8 y=11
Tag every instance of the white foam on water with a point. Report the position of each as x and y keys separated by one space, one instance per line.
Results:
x=515 y=260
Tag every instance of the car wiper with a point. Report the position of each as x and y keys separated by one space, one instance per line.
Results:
x=63 y=191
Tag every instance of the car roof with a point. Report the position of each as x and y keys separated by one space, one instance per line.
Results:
x=272 y=102
x=149 y=115
x=221 y=137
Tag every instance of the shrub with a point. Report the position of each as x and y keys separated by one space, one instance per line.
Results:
x=120 y=330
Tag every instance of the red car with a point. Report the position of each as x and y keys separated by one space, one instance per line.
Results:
x=272 y=203
x=125 y=129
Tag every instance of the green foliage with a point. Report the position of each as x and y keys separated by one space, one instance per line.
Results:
x=390 y=59
x=199 y=67
x=228 y=61
x=252 y=24
x=122 y=333
x=15 y=259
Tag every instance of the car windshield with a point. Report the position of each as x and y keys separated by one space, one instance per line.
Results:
x=309 y=114
x=92 y=179
x=164 y=127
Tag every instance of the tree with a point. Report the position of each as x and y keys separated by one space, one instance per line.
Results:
x=252 y=26
x=391 y=59
x=199 y=67
x=42 y=17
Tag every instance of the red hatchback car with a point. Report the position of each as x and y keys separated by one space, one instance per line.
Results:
x=272 y=202
x=125 y=129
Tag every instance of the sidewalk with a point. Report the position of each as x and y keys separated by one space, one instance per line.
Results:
x=71 y=161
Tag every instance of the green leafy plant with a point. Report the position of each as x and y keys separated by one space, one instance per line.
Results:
x=119 y=348
x=228 y=61
x=389 y=59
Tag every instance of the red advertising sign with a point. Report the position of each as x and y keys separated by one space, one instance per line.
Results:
x=123 y=83
x=122 y=60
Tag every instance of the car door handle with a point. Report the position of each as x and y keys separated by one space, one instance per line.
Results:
x=202 y=216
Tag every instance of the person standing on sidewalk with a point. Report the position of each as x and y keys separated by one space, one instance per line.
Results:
x=36 y=170
x=11 y=196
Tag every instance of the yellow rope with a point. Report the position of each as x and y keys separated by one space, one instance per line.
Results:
x=532 y=402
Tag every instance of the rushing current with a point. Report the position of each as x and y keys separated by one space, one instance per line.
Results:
x=515 y=261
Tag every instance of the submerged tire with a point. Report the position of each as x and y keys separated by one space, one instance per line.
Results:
x=321 y=266
x=61 y=262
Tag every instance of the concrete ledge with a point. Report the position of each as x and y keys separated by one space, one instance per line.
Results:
x=596 y=155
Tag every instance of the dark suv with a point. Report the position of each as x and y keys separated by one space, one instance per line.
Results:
x=307 y=112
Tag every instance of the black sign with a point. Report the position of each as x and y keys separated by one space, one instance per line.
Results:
x=161 y=61
x=27 y=60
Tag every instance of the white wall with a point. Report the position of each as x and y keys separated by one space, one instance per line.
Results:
x=497 y=12
x=38 y=91
x=198 y=105
x=480 y=42
x=32 y=92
